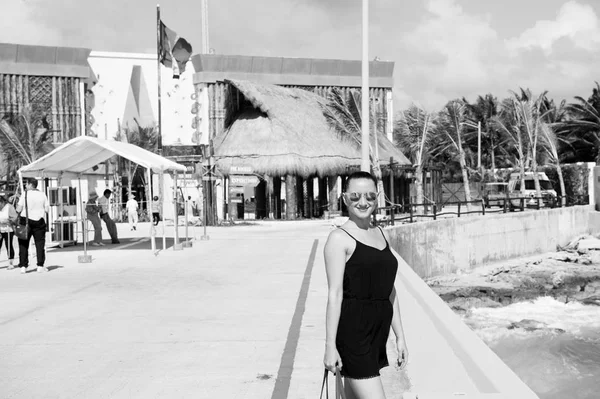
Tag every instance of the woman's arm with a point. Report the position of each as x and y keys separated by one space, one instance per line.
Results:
x=335 y=263
x=396 y=319
x=12 y=213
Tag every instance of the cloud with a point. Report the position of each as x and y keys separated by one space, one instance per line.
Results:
x=443 y=54
x=452 y=53
x=21 y=25
x=574 y=21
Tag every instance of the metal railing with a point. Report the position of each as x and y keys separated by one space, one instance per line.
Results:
x=479 y=206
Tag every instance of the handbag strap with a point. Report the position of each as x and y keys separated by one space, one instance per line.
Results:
x=325 y=383
x=26 y=210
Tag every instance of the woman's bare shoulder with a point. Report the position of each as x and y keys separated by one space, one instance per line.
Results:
x=338 y=237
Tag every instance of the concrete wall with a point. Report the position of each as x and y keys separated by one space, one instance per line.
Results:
x=444 y=246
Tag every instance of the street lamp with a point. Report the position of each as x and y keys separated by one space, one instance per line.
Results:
x=365 y=164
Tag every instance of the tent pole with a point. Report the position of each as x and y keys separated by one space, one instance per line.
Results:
x=161 y=184
x=149 y=205
x=187 y=243
x=85 y=258
x=61 y=209
x=176 y=245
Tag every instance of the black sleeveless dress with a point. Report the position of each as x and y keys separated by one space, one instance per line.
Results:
x=366 y=314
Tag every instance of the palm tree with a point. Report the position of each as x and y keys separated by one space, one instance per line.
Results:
x=451 y=128
x=413 y=134
x=483 y=110
x=529 y=116
x=551 y=143
x=23 y=140
x=508 y=124
x=582 y=130
x=344 y=115
x=145 y=137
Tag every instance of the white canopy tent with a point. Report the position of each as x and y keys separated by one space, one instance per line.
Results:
x=81 y=154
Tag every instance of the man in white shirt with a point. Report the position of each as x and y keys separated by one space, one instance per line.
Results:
x=33 y=205
x=132 y=212
x=110 y=224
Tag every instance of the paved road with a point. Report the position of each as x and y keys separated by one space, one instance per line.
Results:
x=238 y=316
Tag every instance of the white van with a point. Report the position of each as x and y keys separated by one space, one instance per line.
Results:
x=514 y=189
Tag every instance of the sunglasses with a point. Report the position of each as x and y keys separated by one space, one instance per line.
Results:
x=369 y=197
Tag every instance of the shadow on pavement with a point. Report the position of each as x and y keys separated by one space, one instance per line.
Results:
x=137 y=243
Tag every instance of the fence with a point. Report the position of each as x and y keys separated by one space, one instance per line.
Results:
x=432 y=210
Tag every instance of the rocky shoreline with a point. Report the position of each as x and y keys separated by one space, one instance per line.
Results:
x=570 y=274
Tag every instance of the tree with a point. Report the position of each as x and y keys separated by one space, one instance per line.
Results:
x=344 y=115
x=413 y=135
x=507 y=122
x=451 y=130
x=550 y=142
x=23 y=140
x=483 y=110
x=582 y=130
x=145 y=137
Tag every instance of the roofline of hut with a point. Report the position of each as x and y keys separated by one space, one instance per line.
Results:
x=211 y=68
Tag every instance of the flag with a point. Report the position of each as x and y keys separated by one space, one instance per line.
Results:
x=173 y=47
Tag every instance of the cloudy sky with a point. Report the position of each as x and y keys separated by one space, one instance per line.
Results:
x=442 y=49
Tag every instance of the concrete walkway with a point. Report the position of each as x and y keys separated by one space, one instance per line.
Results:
x=238 y=316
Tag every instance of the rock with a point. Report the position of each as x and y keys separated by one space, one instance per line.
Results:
x=591 y=300
x=584 y=260
x=592 y=287
x=558 y=278
x=464 y=304
x=564 y=256
x=589 y=244
x=528 y=325
x=532 y=325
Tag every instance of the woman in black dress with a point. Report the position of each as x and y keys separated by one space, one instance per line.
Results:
x=362 y=303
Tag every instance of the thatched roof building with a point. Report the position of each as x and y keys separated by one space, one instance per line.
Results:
x=282 y=131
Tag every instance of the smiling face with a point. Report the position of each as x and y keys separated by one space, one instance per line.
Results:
x=358 y=198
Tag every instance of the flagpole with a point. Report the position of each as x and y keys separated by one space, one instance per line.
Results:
x=365 y=164
x=158 y=40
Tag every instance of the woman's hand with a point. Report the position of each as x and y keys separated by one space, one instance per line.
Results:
x=402 y=352
x=332 y=359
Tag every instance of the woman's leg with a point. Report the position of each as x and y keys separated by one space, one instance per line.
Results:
x=10 y=238
x=370 y=388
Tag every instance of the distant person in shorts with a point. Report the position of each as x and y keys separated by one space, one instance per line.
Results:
x=110 y=224
x=35 y=212
x=132 y=212
x=155 y=210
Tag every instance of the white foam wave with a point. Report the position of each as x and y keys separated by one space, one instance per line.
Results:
x=574 y=318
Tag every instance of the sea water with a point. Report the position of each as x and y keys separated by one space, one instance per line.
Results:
x=559 y=357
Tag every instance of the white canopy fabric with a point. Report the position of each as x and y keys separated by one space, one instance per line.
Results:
x=80 y=154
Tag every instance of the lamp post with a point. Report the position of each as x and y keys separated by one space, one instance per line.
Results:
x=365 y=164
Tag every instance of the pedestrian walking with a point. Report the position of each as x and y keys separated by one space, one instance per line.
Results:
x=92 y=210
x=155 y=210
x=362 y=302
x=132 y=212
x=33 y=205
x=111 y=226
x=8 y=218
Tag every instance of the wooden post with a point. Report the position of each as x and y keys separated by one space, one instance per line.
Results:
x=300 y=195
x=277 y=197
x=310 y=197
x=332 y=182
x=290 y=197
